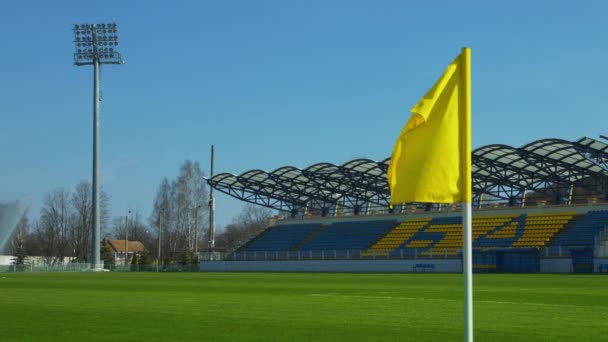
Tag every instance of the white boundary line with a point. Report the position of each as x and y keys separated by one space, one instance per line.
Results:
x=452 y=300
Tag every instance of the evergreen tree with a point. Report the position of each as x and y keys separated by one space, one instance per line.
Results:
x=134 y=263
x=167 y=261
x=144 y=259
x=20 y=256
x=106 y=254
x=184 y=257
x=195 y=260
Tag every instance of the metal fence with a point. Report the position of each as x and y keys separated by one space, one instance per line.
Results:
x=399 y=254
x=564 y=251
x=153 y=268
x=75 y=267
x=60 y=267
x=332 y=254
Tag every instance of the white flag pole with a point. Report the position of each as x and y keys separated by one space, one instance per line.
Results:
x=466 y=189
x=467 y=263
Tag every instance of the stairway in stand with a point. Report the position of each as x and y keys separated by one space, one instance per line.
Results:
x=308 y=238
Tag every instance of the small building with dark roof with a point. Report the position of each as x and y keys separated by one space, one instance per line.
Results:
x=131 y=247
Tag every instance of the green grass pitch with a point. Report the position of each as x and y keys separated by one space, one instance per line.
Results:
x=299 y=306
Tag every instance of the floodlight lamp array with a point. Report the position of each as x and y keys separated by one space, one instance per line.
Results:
x=96 y=42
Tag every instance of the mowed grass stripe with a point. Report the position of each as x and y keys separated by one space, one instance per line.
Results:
x=299 y=306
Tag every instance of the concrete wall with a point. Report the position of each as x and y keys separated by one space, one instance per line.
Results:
x=328 y=266
x=556 y=265
x=547 y=265
x=599 y=261
x=33 y=260
x=6 y=260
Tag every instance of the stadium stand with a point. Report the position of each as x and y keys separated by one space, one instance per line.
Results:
x=391 y=241
x=428 y=236
x=547 y=171
x=280 y=238
x=541 y=228
x=585 y=230
x=352 y=236
x=546 y=199
x=583 y=233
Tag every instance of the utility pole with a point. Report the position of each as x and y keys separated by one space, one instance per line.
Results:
x=211 y=207
x=95 y=45
x=196 y=231
x=160 y=231
x=127 y=236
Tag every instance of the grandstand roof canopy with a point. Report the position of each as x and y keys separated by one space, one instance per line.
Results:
x=501 y=172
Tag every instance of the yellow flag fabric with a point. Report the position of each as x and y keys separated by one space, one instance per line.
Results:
x=431 y=160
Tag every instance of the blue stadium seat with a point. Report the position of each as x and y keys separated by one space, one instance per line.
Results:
x=585 y=230
x=281 y=237
x=352 y=235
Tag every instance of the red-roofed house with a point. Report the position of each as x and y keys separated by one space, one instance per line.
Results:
x=132 y=247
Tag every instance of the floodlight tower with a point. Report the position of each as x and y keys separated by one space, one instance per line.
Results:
x=96 y=45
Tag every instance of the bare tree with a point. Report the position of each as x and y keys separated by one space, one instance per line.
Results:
x=54 y=225
x=146 y=237
x=65 y=224
x=162 y=216
x=179 y=208
x=252 y=221
x=199 y=207
x=18 y=236
x=81 y=230
x=104 y=211
x=137 y=229
x=254 y=217
x=183 y=205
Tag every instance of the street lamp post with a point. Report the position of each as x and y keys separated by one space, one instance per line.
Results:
x=196 y=231
x=96 y=45
x=211 y=209
x=127 y=237
x=160 y=231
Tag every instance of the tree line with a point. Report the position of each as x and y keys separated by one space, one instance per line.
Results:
x=63 y=228
x=179 y=221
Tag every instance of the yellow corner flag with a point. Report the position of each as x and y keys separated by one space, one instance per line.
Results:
x=431 y=160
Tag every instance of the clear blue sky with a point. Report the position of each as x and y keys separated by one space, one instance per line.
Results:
x=274 y=83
